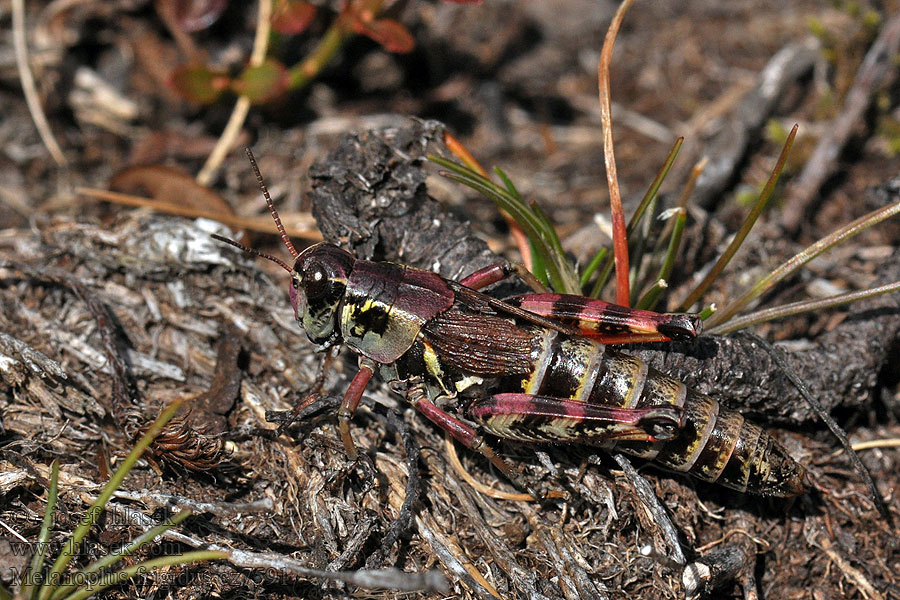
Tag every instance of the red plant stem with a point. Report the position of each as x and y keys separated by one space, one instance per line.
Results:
x=620 y=239
x=462 y=153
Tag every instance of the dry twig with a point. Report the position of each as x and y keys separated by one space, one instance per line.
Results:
x=242 y=106
x=877 y=67
x=28 y=88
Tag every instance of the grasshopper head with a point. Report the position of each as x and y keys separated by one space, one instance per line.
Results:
x=318 y=278
x=318 y=282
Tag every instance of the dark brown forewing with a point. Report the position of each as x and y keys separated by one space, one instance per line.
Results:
x=482 y=344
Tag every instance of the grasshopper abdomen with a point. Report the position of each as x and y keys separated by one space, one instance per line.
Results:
x=712 y=443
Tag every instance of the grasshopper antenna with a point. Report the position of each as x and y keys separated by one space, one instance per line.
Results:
x=274 y=259
x=265 y=192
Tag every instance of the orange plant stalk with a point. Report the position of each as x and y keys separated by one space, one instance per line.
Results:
x=620 y=238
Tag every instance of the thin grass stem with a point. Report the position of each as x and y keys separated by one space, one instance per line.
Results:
x=801 y=258
x=650 y=299
x=111 y=559
x=745 y=227
x=529 y=224
x=651 y=296
x=603 y=278
x=707 y=312
x=559 y=272
x=653 y=190
x=602 y=254
x=37 y=560
x=93 y=513
x=803 y=306
x=592 y=266
x=123 y=575
x=526 y=248
x=637 y=251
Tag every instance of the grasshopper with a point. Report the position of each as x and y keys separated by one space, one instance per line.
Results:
x=534 y=368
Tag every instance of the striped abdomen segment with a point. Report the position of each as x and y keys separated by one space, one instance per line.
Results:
x=714 y=443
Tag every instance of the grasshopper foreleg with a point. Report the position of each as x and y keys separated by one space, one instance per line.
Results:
x=351 y=400
x=312 y=394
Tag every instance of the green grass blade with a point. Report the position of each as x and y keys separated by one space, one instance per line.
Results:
x=111 y=579
x=650 y=299
x=801 y=258
x=538 y=265
x=674 y=245
x=521 y=213
x=746 y=226
x=602 y=254
x=506 y=200
x=93 y=513
x=532 y=225
x=37 y=560
x=570 y=284
x=637 y=251
x=549 y=231
x=592 y=266
x=652 y=295
x=603 y=278
x=707 y=312
x=539 y=259
x=510 y=187
x=653 y=190
x=111 y=559
x=804 y=306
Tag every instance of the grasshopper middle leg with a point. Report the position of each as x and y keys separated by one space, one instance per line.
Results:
x=467 y=436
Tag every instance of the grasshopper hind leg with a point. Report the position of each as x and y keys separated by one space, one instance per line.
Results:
x=535 y=418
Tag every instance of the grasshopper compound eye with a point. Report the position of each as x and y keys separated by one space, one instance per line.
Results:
x=315 y=281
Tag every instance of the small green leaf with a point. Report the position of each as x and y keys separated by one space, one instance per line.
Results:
x=262 y=83
x=199 y=84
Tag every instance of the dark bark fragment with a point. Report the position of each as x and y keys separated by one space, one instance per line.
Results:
x=216 y=402
x=369 y=196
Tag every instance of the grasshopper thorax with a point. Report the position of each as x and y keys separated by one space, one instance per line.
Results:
x=318 y=283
